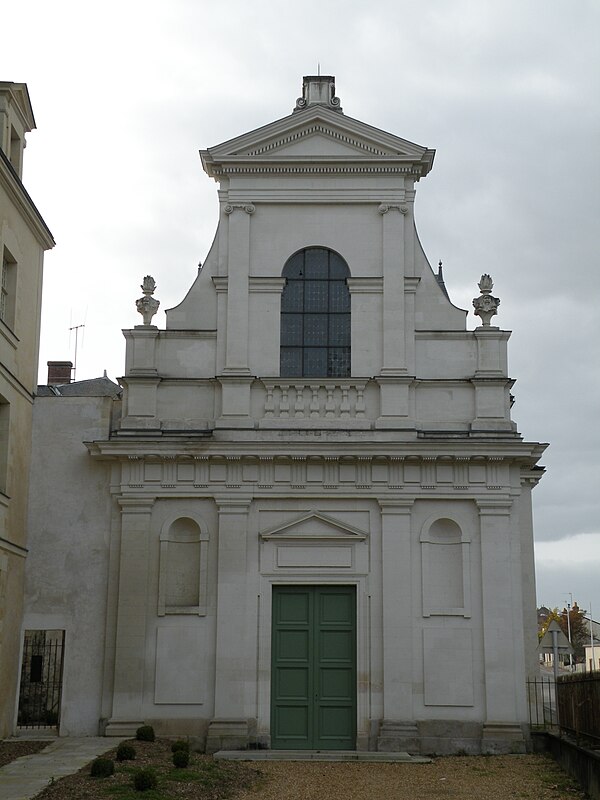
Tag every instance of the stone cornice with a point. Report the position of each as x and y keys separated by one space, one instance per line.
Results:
x=365 y=285
x=316 y=166
x=266 y=284
x=10 y=181
x=527 y=454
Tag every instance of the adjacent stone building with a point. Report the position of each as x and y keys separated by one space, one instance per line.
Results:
x=313 y=510
x=24 y=237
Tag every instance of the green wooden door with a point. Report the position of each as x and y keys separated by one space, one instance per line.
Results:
x=313 y=671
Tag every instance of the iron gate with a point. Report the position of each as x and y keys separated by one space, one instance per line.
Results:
x=41 y=679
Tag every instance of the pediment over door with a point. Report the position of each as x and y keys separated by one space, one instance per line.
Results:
x=314 y=527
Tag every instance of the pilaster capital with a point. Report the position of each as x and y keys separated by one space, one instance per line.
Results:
x=383 y=208
x=494 y=507
x=249 y=208
x=136 y=504
x=396 y=505
x=226 y=504
x=220 y=283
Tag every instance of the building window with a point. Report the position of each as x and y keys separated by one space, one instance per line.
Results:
x=315 y=316
x=8 y=286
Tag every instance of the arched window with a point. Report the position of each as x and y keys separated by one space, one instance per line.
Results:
x=315 y=316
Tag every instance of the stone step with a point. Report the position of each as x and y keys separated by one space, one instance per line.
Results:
x=318 y=755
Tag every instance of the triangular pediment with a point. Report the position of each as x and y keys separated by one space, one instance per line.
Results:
x=20 y=97
x=314 y=526
x=316 y=133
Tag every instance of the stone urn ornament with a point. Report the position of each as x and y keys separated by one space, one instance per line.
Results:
x=485 y=305
x=148 y=305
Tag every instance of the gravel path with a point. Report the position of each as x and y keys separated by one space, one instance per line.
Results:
x=472 y=778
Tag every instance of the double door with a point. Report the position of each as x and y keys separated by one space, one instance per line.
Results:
x=313 y=674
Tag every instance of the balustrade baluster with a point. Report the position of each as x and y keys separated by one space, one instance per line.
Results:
x=284 y=403
x=269 y=405
x=314 y=401
x=330 y=403
x=299 y=404
x=360 y=400
x=345 y=404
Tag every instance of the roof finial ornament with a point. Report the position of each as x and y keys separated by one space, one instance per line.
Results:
x=148 y=305
x=485 y=305
x=440 y=279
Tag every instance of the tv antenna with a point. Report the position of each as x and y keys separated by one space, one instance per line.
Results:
x=76 y=329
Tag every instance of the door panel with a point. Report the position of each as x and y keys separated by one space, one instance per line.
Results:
x=313 y=674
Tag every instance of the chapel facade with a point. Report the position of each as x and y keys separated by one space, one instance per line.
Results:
x=317 y=525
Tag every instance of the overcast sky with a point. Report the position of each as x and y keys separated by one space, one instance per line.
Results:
x=507 y=91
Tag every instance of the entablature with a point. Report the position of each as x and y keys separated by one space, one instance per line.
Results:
x=224 y=469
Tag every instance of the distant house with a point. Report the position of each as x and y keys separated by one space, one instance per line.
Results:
x=24 y=237
x=307 y=522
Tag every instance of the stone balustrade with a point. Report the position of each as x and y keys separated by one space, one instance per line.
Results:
x=330 y=401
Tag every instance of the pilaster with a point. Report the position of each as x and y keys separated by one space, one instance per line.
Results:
x=128 y=692
x=394 y=347
x=236 y=353
x=229 y=727
x=140 y=353
x=398 y=730
x=396 y=401
x=501 y=731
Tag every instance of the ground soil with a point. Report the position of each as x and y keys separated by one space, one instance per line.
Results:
x=9 y=750
x=460 y=778
x=536 y=777
x=203 y=779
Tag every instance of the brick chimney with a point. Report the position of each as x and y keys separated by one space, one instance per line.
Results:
x=59 y=372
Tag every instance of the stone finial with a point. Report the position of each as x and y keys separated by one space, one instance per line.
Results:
x=485 y=305
x=318 y=90
x=148 y=305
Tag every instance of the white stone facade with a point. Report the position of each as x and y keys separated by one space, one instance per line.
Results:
x=398 y=472
x=24 y=237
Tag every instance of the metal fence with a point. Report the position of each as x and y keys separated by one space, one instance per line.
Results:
x=541 y=698
x=570 y=706
x=578 y=702
x=41 y=679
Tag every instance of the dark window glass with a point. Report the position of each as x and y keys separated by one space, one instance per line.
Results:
x=35 y=669
x=338 y=365
x=295 y=266
x=315 y=315
x=292 y=334
x=291 y=362
x=315 y=362
x=316 y=296
x=339 y=329
x=316 y=264
x=339 y=297
x=315 y=330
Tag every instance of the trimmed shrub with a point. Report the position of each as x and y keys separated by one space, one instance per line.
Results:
x=145 y=779
x=145 y=733
x=102 y=768
x=125 y=752
x=181 y=758
x=180 y=744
